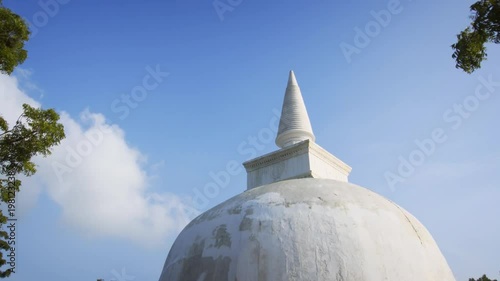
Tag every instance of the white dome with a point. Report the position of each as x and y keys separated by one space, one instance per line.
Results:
x=306 y=229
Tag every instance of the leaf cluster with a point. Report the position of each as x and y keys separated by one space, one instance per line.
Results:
x=482 y=278
x=35 y=132
x=14 y=32
x=470 y=49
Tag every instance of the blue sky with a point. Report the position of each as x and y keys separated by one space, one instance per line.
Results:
x=218 y=79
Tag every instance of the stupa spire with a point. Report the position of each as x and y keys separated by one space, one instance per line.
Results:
x=294 y=123
x=299 y=156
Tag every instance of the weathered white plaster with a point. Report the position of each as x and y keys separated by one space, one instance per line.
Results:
x=302 y=230
x=301 y=160
x=300 y=220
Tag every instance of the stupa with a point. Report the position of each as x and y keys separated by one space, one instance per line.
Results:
x=301 y=220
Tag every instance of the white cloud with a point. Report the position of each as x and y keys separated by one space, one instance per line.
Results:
x=98 y=180
x=12 y=98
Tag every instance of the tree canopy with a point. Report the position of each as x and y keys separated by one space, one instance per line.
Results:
x=34 y=133
x=482 y=278
x=470 y=49
x=14 y=32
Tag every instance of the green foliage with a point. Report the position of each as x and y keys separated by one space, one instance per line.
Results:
x=470 y=49
x=483 y=278
x=13 y=34
x=34 y=133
